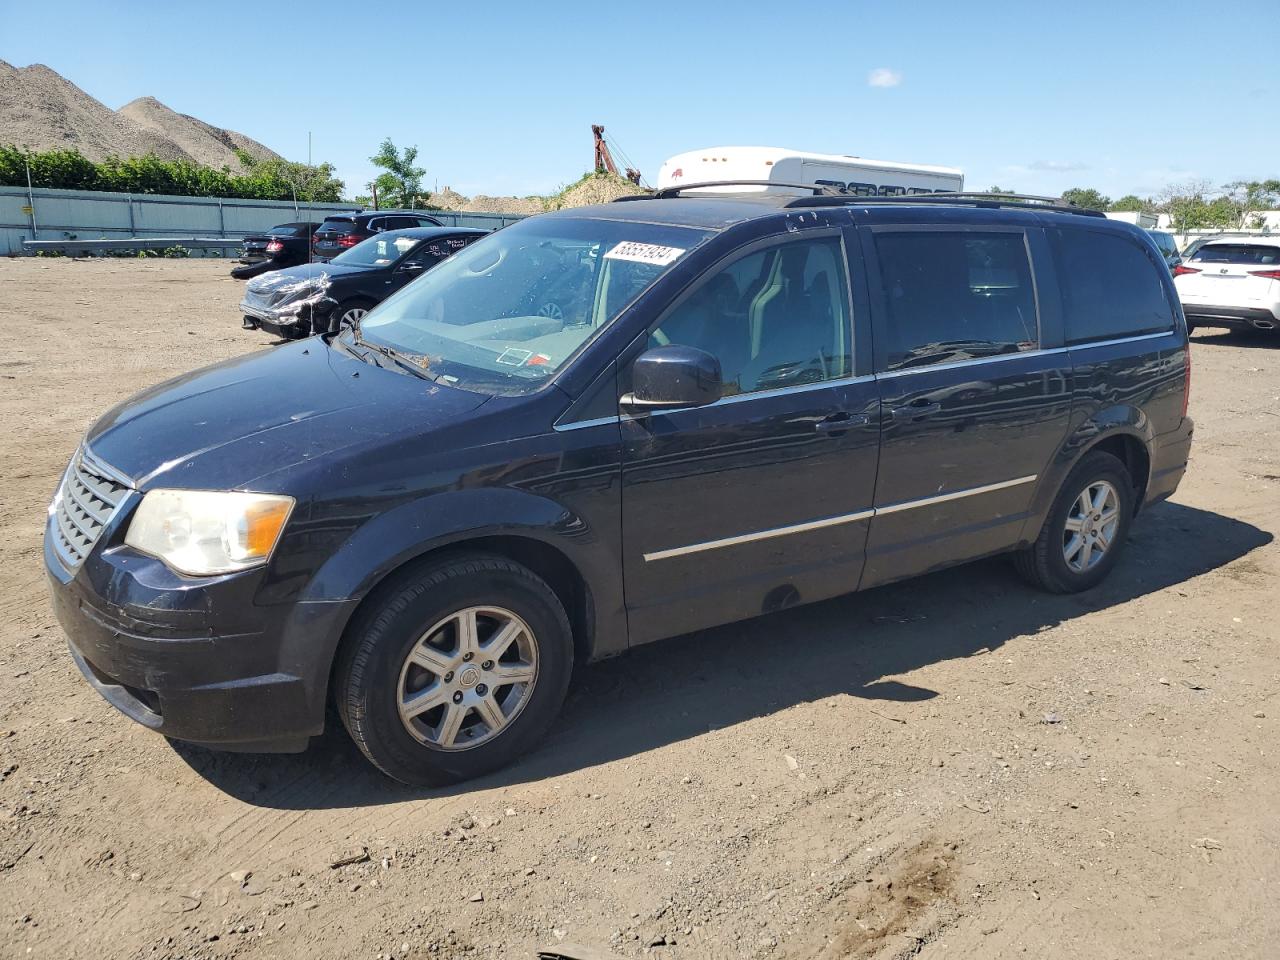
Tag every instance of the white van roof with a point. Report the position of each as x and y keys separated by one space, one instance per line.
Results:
x=766 y=154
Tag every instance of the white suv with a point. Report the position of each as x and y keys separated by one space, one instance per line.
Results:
x=1232 y=283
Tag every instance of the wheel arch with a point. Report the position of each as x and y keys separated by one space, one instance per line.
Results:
x=1123 y=432
x=534 y=531
x=547 y=561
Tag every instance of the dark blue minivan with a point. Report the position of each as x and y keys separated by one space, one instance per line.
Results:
x=601 y=427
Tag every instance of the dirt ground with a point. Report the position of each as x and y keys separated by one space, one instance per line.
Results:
x=957 y=766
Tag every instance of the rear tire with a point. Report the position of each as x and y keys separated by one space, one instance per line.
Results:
x=425 y=687
x=1077 y=547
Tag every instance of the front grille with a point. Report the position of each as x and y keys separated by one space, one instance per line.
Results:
x=90 y=494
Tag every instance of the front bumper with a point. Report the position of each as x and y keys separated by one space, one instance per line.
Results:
x=194 y=660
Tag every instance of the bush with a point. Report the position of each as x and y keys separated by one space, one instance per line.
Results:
x=264 y=179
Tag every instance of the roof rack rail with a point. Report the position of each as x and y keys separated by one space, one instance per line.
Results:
x=960 y=198
x=663 y=193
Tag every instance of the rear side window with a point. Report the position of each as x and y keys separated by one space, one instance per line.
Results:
x=956 y=296
x=1110 y=287
x=1238 y=253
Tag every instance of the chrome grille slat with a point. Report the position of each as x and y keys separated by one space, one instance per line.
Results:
x=76 y=543
x=91 y=493
x=98 y=515
x=88 y=534
x=103 y=490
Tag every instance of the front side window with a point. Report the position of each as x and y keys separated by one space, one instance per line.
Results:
x=776 y=318
x=1110 y=287
x=507 y=312
x=955 y=296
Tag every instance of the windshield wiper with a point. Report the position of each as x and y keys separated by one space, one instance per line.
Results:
x=413 y=363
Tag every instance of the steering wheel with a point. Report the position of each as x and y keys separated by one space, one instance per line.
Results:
x=552 y=310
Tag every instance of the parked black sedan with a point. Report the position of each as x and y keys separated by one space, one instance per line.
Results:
x=284 y=245
x=343 y=231
x=315 y=297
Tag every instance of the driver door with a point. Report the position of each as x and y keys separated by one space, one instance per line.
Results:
x=762 y=498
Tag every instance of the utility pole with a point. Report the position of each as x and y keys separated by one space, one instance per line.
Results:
x=31 y=201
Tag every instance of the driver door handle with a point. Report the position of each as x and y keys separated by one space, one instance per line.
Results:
x=841 y=421
x=917 y=410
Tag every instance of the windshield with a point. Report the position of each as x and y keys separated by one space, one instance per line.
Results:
x=377 y=251
x=507 y=312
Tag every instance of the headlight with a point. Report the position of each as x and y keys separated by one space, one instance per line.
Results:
x=201 y=533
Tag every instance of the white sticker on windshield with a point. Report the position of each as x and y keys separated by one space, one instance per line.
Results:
x=644 y=253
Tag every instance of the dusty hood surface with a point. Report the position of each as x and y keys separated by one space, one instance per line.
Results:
x=225 y=426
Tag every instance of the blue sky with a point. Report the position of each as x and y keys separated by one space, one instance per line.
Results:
x=499 y=97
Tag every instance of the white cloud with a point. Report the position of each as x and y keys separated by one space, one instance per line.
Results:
x=884 y=77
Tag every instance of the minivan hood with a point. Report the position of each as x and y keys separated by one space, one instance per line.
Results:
x=226 y=425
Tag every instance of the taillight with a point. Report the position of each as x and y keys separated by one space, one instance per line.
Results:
x=1180 y=270
x=275 y=246
x=348 y=240
x=1186 y=378
x=1266 y=274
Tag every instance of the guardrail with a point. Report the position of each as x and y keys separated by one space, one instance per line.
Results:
x=135 y=243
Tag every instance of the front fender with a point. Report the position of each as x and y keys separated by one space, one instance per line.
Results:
x=389 y=540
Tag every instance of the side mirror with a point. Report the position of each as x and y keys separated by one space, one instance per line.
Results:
x=673 y=376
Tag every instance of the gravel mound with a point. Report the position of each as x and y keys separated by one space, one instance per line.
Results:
x=592 y=188
x=203 y=142
x=42 y=110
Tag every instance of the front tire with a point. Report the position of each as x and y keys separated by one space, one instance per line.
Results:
x=349 y=312
x=457 y=670
x=1085 y=531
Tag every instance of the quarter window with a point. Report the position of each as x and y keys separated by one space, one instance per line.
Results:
x=955 y=296
x=776 y=318
x=1110 y=286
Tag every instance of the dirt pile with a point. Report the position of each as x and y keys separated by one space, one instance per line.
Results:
x=592 y=188
x=201 y=141
x=42 y=110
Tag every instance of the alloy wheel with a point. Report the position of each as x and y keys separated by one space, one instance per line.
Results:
x=467 y=678
x=1091 y=526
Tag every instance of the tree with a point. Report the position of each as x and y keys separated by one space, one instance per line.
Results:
x=1000 y=190
x=401 y=185
x=1086 y=197
x=1131 y=203
x=1251 y=197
